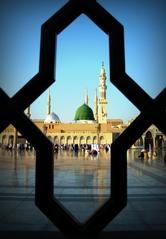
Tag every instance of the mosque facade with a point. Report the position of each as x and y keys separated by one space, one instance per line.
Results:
x=89 y=126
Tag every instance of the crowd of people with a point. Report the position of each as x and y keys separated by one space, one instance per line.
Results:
x=91 y=148
x=88 y=148
x=145 y=154
x=19 y=146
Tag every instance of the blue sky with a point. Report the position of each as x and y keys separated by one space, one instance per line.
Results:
x=81 y=48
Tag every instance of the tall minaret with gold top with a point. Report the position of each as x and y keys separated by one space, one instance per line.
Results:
x=102 y=107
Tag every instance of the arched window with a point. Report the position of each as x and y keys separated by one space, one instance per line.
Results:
x=82 y=140
x=148 y=141
x=62 y=140
x=159 y=141
x=88 y=140
x=56 y=140
x=4 y=140
x=69 y=140
x=11 y=139
x=75 y=140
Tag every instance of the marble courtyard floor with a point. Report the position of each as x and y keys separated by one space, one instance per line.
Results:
x=82 y=184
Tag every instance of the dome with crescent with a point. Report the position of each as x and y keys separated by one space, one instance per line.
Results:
x=52 y=118
x=84 y=112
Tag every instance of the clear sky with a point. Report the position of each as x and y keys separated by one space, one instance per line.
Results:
x=81 y=49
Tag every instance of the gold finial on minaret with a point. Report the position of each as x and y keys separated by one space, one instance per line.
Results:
x=102 y=71
x=86 y=97
x=49 y=103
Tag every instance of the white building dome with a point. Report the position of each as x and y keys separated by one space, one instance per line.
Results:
x=52 y=118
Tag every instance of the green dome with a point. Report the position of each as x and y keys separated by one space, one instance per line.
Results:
x=84 y=112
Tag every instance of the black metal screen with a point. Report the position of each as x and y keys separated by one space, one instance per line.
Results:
x=153 y=111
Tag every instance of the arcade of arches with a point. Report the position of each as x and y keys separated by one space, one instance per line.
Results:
x=73 y=133
x=149 y=140
x=76 y=140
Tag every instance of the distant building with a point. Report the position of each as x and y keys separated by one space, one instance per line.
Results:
x=89 y=127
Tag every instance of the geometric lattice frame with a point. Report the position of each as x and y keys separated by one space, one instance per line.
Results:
x=152 y=111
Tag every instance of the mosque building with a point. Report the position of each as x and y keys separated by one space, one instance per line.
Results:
x=89 y=126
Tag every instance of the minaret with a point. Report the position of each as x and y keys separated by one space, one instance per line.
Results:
x=86 y=97
x=102 y=111
x=96 y=107
x=28 y=112
x=49 y=103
